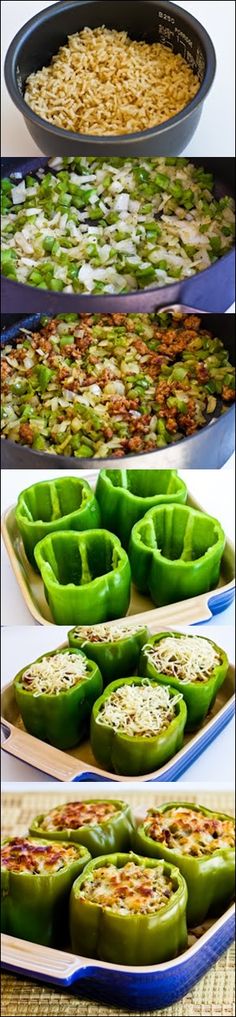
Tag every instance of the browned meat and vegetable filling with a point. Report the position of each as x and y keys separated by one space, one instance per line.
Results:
x=111 y=385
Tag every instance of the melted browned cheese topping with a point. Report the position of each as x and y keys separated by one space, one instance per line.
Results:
x=131 y=889
x=190 y=832
x=27 y=855
x=75 y=814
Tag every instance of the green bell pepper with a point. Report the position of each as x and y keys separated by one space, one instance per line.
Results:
x=125 y=496
x=175 y=552
x=100 y=836
x=115 y=654
x=128 y=938
x=199 y=696
x=209 y=877
x=67 y=503
x=61 y=718
x=34 y=901
x=86 y=576
x=135 y=755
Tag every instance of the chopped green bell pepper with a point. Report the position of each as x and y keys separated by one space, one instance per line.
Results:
x=34 y=904
x=99 y=836
x=116 y=657
x=210 y=877
x=86 y=576
x=175 y=552
x=67 y=503
x=199 y=696
x=135 y=755
x=61 y=718
x=125 y=496
x=129 y=938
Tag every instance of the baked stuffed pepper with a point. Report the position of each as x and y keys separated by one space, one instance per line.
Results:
x=115 y=648
x=129 y=910
x=192 y=665
x=86 y=576
x=136 y=726
x=36 y=879
x=67 y=503
x=125 y=496
x=175 y=553
x=202 y=844
x=55 y=695
x=102 y=826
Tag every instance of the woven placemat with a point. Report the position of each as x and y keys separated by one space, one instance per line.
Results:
x=213 y=996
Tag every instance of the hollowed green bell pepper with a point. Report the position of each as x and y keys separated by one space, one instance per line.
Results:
x=175 y=552
x=86 y=576
x=210 y=878
x=64 y=504
x=133 y=939
x=62 y=719
x=132 y=755
x=115 y=657
x=99 y=837
x=198 y=696
x=34 y=906
x=125 y=496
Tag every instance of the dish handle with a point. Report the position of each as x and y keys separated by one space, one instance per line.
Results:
x=34 y=752
x=43 y=962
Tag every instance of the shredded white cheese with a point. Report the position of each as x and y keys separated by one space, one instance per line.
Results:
x=142 y=710
x=106 y=633
x=188 y=658
x=55 y=674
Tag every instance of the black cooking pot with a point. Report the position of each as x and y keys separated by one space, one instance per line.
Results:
x=211 y=290
x=42 y=36
x=210 y=448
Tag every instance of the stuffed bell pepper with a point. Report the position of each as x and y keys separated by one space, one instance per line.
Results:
x=175 y=552
x=102 y=826
x=36 y=879
x=86 y=576
x=136 y=726
x=192 y=665
x=115 y=648
x=125 y=496
x=64 y=504
x=55 y=696
x=202 y=844
x=126 y=909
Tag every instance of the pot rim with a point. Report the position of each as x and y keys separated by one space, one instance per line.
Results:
x=11 y=70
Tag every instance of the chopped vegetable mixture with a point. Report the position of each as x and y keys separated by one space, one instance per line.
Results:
x=85 y=225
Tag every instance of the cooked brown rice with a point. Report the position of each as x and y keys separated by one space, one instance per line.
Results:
x=103 y=82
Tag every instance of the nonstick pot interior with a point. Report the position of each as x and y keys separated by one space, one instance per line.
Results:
x=211 y=290
x=153 y=21
x=210 y=448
